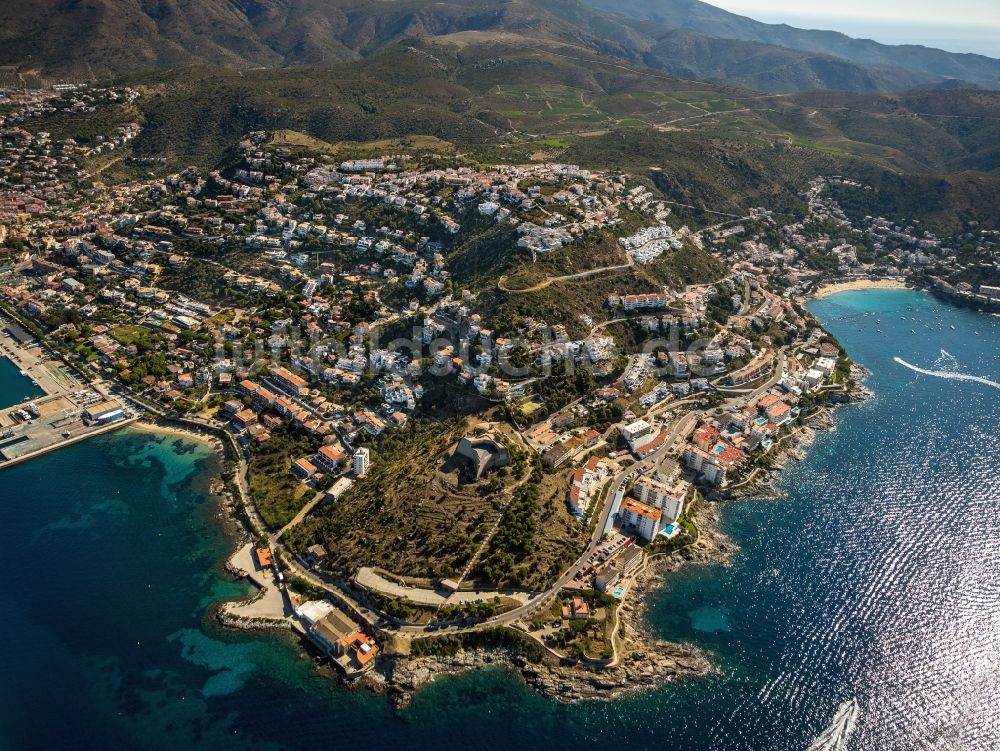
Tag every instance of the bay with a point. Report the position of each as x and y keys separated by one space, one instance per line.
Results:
x=875 y=578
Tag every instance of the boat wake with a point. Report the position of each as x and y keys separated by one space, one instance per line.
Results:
x=835 y=737
x=947 y=375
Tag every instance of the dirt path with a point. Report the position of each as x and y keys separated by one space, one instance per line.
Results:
x=302 y=513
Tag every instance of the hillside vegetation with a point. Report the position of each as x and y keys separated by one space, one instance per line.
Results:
x=696 y=16
x=104 y=37
x=461 y=89
x=707 y=147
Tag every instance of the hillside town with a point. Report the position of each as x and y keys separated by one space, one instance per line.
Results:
x=267 y=301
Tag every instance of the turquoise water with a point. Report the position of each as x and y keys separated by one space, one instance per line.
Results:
x=875 y=577
x=14 y=386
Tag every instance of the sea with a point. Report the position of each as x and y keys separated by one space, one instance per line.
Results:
x=14 y=387
x=874 y=576
x=980 y=37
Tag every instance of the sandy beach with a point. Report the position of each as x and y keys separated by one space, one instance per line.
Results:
x=188 y=433
x=831 y=289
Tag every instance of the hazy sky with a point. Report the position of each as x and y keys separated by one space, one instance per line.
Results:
x=955 y=25
x=919 y=11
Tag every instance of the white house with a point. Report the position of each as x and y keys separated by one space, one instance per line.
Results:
x=637 y=433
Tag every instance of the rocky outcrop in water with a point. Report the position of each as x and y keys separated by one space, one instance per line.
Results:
x=229 y=620
x=402 y=677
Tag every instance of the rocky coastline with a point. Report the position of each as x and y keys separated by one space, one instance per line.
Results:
x=762 y=483
x=242 y=623
x=643 y=662
x=402 y=677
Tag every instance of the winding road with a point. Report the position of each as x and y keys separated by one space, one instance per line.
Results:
x=502 y=281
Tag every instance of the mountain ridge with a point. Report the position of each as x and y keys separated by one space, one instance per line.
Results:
x=99 y=38
x=703 y=18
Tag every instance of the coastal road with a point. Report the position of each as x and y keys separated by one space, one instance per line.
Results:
x=535 y=603
x=539 y=602
x=745 y=307
x=681 y=425
x=303 y=512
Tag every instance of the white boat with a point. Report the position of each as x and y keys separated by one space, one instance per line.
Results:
x=835 y=737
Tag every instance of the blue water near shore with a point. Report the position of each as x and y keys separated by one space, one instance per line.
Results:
x=14 y=386
x=874 y=577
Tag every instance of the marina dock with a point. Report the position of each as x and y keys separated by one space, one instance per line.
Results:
x=66 y=412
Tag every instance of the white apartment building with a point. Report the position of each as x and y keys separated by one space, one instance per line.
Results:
x=361 y=461
x=667 y=498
